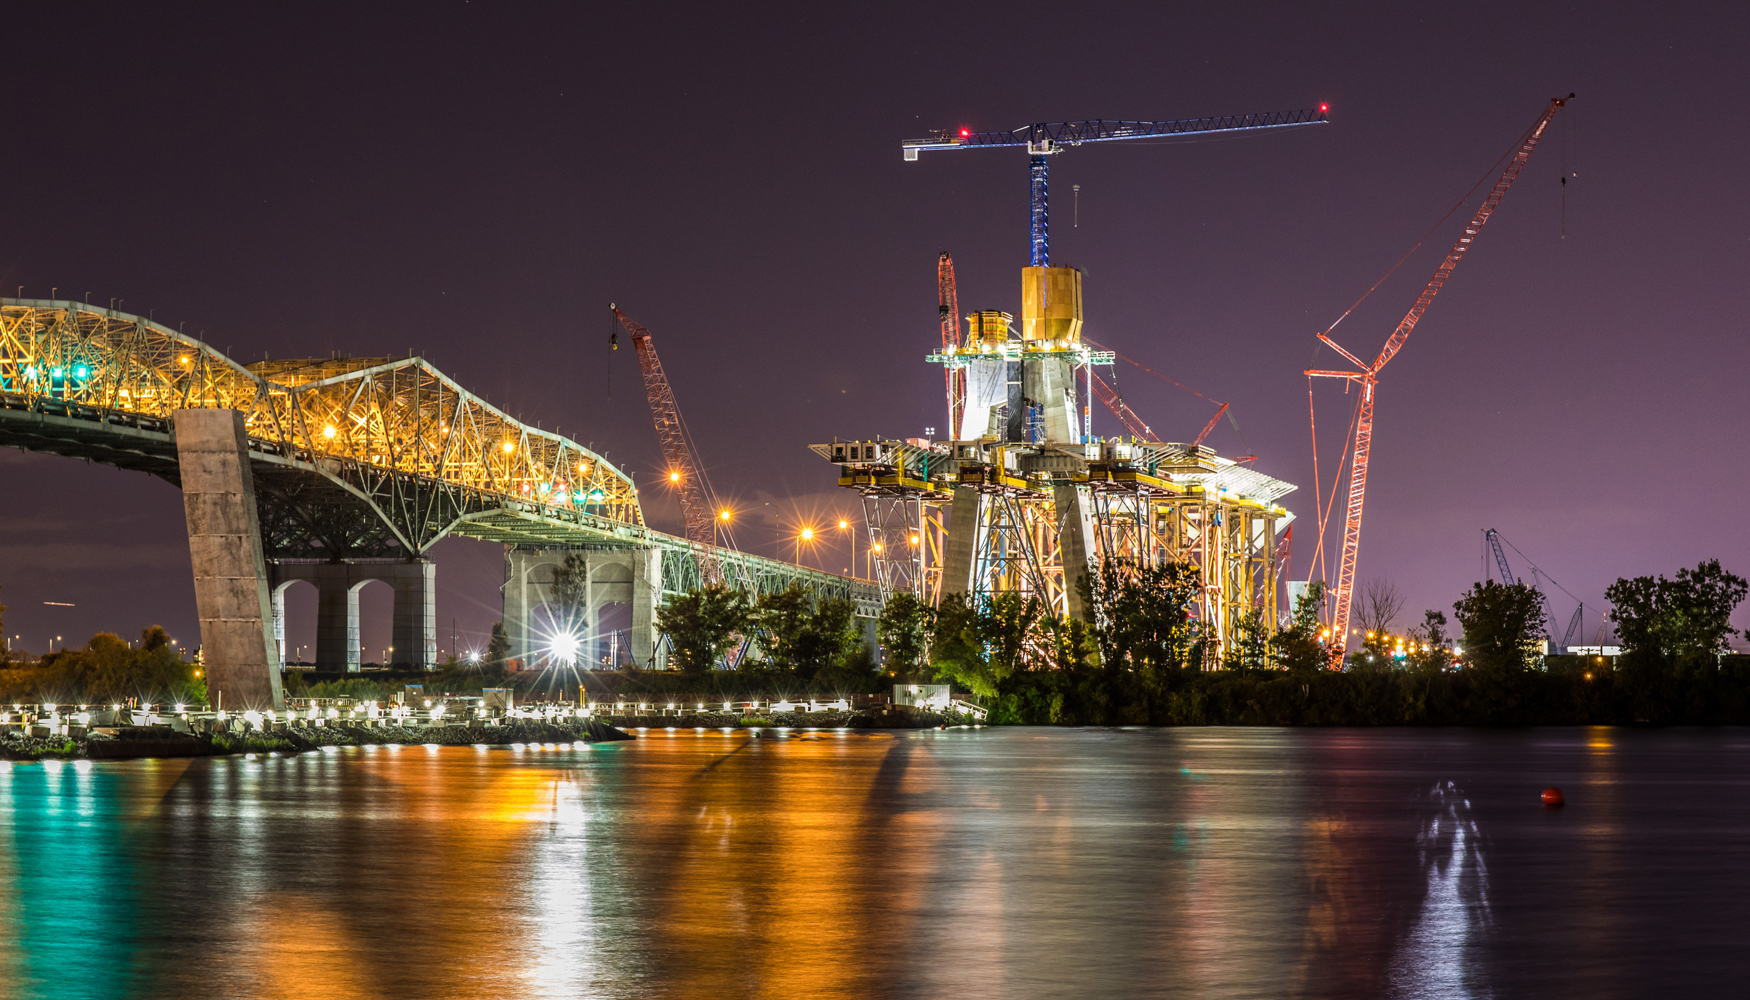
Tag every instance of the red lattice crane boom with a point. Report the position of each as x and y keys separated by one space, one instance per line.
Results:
x=948 y=307
x=1367 y=377
x=1138 y=428
x=683 y=472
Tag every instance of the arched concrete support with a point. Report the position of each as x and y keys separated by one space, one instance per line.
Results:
x=615 y=575
x=414 y=632
x=230 y=575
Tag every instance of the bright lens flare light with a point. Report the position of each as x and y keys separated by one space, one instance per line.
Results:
x=674 y=477
x=722 y=515
x=808 y=534
x=564 y=648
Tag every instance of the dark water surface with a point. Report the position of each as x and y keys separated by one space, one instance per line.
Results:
x=994 y=863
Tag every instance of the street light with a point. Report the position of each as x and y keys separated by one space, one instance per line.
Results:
x=845 y=525
x=805 y=535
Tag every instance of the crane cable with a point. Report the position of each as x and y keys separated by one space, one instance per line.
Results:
x=1164 y=378
x=1317 y=347
x=1431 y=230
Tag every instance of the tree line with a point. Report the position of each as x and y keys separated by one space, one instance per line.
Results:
x=108 y=670
x=1143 y=659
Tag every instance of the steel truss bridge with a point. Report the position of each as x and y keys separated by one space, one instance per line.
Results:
x=352 y=458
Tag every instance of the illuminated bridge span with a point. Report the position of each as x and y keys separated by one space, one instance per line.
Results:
x=338 y=471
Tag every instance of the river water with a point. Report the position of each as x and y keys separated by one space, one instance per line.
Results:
x=963 y=863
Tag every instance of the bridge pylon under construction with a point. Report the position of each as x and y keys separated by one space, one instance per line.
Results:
x=1023 y=498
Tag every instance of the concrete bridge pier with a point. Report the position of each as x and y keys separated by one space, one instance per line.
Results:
x=337 y=583
x=230 y=574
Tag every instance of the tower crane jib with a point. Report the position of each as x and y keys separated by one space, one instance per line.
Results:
x=1043 y=139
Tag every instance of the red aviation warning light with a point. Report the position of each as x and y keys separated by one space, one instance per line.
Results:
x=1324 y=108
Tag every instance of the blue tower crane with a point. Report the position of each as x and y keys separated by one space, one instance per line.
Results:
x=1046 y=138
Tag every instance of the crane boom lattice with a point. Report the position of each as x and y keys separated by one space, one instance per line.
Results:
x=1368 y=376
x=683 y=472
x=948 y=307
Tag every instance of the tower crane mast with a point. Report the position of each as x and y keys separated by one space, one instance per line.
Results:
x=683 y=472
x=1367 y=377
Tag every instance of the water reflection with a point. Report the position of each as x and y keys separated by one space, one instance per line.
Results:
x=1435 y=959
x=1017 y=863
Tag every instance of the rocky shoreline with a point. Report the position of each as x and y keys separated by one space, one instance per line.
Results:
x=889 y=719
x=132 y=742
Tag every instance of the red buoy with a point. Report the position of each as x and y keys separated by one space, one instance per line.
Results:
x=1552 y=798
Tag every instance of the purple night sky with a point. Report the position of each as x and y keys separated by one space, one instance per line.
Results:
x=477 y=183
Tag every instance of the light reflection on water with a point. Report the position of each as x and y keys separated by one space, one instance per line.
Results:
x=997 y=863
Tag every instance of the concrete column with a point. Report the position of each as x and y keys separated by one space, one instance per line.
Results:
x=1072 y=506
x=646 y=598
x=279 y=619
x=415 y=630
x=337 y=622
x=965 y=520
x=516 y=600
x=1050 y=382
x=230 y=575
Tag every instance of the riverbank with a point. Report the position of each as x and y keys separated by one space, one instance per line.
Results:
x=883 y=718
x=134 y=742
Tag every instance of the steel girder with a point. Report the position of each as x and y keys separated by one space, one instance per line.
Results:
x=353 y=458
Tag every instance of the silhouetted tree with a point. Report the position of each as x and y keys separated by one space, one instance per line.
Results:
x=1503 y=624
x=905 y=626
x=702 y=625
x=1297 y=647
x=1437 y=656
x=568 y=592
x=497 y=648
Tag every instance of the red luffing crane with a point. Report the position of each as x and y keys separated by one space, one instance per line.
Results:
x=683 y=472
x=1138 y=427
x=1368 y=377
x=948 y=302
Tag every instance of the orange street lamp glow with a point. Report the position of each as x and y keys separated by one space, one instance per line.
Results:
x=808 y=534
x=722 y=515
x=843 y=524
x=674 y=477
